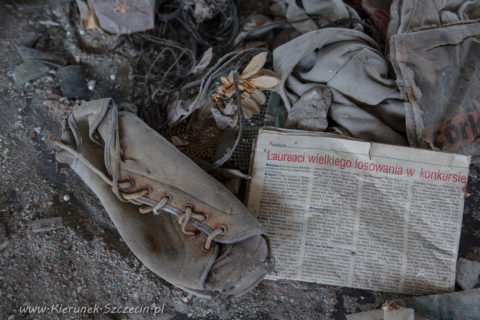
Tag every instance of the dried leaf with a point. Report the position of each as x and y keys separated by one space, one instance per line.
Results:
x=230 y=77
x=259 y=97
x=250 y=107
x=89 y=22
x=254 y=65
x=225 y=81
x=43 y=225
x=266 y=72
x=230 y=91
x=264 y=82
x=204 y=61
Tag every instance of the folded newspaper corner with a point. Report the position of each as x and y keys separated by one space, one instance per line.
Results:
x=357 y=214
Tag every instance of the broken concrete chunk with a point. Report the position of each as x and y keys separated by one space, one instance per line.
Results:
x=3 y=233
x=390 y=311
x=43 y=225
x=456 y=305
x=3 y=238
x=468 y=273
x=30 y=54
x=29 y=71
x=118 y=17
x=310 y=111
x=72 y=82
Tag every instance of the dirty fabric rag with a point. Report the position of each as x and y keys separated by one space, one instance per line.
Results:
x=365 y=100
x=438 y=73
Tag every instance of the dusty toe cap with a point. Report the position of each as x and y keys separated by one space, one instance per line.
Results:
x=239 y=267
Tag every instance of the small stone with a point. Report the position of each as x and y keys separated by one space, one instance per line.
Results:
x=66 y=198
x=310 y=111
x=468 y=273
x=91 y=85
x=29 y=71
x=113 y=77
x=44 y=225
x=81 y=32
x=72 y=82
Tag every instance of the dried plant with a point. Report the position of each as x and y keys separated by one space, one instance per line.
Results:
x=251 y=82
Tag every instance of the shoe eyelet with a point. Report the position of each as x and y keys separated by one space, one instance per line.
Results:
x=197 y=233
x=128 y=180
x=169 y=196
x=187 y=205
x=149 y=191
x=206 y=217
x=223 y=227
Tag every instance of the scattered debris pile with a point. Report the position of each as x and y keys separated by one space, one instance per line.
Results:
x=208 y=74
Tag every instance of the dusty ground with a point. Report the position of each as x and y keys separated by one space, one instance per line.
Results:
x=85 y=263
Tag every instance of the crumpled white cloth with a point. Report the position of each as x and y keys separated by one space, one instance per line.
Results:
x=411 y=15
x=366 y=101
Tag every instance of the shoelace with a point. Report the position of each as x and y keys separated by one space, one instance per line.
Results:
x=133 y=198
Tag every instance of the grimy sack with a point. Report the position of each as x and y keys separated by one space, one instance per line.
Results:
x=438 y=71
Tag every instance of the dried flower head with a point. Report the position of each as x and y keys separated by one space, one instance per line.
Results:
x=251 y=82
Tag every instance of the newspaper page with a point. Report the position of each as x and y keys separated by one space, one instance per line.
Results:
x=357 y=214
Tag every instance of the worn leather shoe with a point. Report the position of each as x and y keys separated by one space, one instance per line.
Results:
x=180 y=222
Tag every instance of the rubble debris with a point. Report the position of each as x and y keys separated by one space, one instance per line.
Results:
x=31 y=54
x=49 y=23
x=468 y=273
x=310 y=111
x=3 y=238
x=36 y=63
x=263 y=27
x=29 y=71
x=117 y=16
x=91 y=85
x=390 y=311
x=72 y=82
x=56 y=107
x=44 y=225
x=464 y=305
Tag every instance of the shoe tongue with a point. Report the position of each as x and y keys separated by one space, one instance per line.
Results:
x=150 y=156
